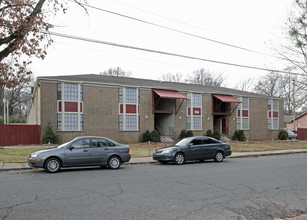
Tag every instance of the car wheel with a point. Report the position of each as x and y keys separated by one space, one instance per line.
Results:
x=52 y=165
x=218 y=156
x=179 y=159
x=114 y=162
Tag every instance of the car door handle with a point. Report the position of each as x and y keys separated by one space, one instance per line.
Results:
x=85 y=150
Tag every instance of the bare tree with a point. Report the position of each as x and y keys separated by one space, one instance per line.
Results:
x=204 y=77
x=295 y=53
x=24 y=33
x=170 y=77
x=246 y=85
x=270 y=85
x=279 y=85
x=117 y=71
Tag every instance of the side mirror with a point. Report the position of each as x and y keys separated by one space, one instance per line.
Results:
x=190 y=145
x=71 y=147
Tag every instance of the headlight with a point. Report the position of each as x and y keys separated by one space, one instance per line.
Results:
x=166 y=151
x=34 y=154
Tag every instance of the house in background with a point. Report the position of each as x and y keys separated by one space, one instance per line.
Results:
x=123 y=108
x=300 y=122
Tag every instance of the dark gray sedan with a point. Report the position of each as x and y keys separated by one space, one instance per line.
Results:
x=193 y=148
x=81 y=151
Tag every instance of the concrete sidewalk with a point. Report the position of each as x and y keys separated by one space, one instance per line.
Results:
x=142 y=160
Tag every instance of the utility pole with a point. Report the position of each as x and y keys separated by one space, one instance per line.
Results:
x=294 y=104
x=4 y=111
x=7 y=112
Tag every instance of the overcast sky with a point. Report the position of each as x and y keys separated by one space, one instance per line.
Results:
x=251 y=25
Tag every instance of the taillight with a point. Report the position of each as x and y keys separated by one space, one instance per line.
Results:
x=229 y=146
x=128 y=150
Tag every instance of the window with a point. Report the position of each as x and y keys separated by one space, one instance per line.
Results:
x=131 y=122
x=243 y=114
x=70 y=107
x=59 y=121
x=273 y=114
x=131 y=95
x=71 y=92
x=71 y=122
x=83 y=143
x=194 y=111
x=100 y=143
x=196 y=100
x=196 y=142
x=59 y=93
x=197 y=123
x=128 y=99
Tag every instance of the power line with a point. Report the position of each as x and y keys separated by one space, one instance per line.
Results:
x=168 y=53
x=160 y=52
x=171 y=29
x=185 y=23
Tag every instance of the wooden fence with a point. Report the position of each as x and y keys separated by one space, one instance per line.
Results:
x=19 y=134
x=302 y=133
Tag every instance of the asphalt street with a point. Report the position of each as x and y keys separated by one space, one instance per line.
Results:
x=242 y=188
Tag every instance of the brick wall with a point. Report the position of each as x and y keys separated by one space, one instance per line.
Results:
x=101 y=110
x=48 y=111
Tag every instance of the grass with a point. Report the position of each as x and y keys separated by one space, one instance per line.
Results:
x=17 y=155
x=142 y=149
x=20 y=155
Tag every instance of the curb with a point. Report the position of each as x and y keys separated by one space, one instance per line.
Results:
x=149 y=160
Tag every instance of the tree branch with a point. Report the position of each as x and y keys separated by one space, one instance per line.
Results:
x=20 y=33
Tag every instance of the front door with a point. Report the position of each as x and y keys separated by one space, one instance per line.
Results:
x=223 y=125
x=78 y=153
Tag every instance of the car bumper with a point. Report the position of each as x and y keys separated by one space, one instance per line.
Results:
x=227 y=153
x=36 y=162
x=126 y=158
x=163 y=157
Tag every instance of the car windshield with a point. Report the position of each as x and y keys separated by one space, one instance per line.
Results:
x=184 y=142
x=65 y=144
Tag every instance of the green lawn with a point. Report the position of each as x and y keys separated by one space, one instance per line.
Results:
x=20 y=155
x=17 y=155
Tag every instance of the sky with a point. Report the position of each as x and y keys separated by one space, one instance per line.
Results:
x=257 y=27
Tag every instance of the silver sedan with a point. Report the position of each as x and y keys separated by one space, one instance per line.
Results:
x=81 y=151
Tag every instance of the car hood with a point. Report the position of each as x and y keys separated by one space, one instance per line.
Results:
x=162 y=148
x=47 y=150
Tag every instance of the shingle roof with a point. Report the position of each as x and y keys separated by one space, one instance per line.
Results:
x=146 y=83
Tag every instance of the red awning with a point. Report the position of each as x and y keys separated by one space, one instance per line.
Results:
x=168 y=94
x=227 y=98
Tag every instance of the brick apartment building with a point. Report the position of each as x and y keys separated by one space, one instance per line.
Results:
x=124 y=108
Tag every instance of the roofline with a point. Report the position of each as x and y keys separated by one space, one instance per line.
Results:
x=54 y=79
x=301 y=115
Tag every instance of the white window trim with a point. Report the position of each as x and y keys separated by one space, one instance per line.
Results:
x=124 y=114
x=191 y=116
x=241 y=117
x=63 y=112
x=272 y=113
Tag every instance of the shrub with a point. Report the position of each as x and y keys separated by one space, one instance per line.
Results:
x=216 y=134
x=50 y=135
x=238 y=136
x=18 y=119
x=183 y=134
x=283 y=135
x=154 y=136
x=209 y=133
x=146 y=136
x=1 y=120
x=190 y=133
